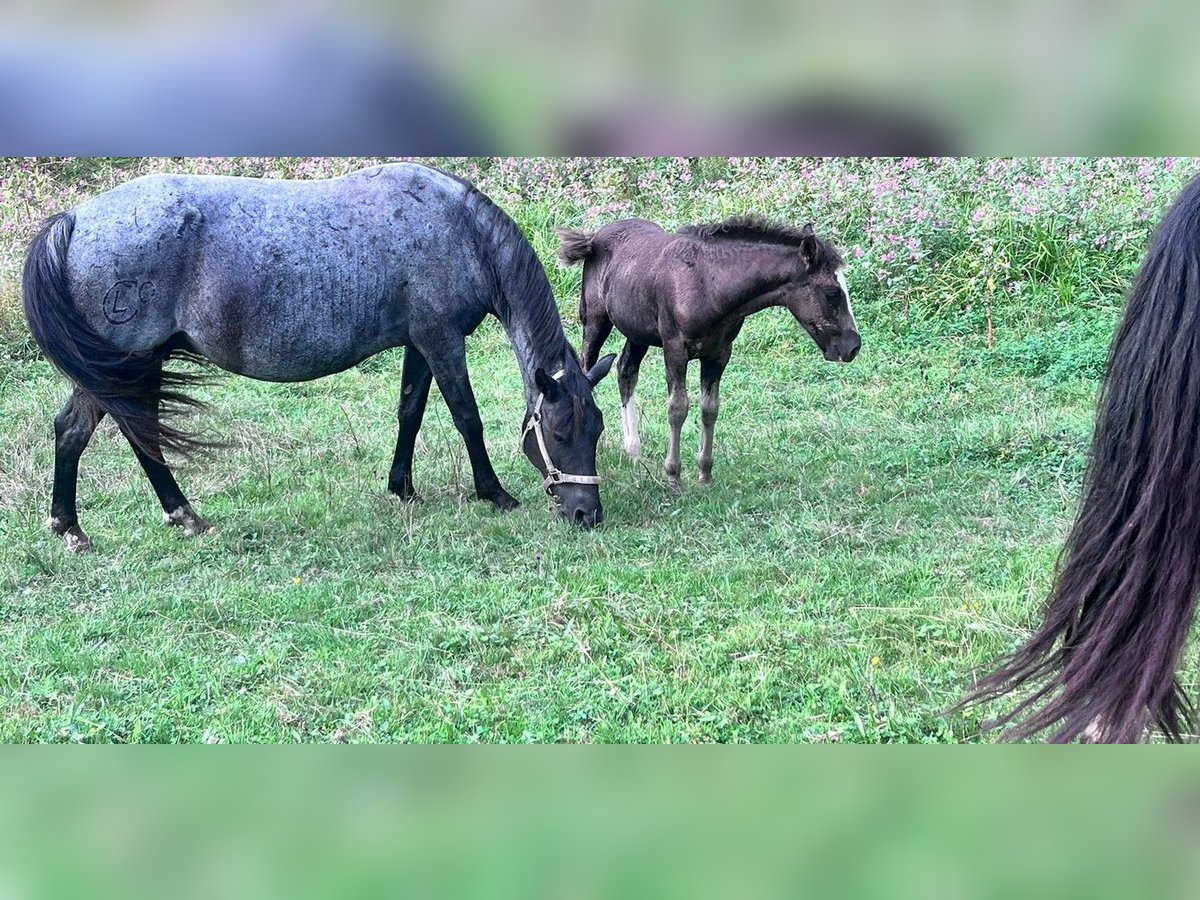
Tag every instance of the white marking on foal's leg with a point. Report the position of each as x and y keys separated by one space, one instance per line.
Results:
x=629 y=429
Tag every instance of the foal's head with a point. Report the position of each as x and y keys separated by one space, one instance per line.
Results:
x=820 y=302
x=569 y=423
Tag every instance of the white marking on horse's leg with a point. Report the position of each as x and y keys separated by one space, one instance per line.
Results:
x=629 y=429
x=186 y=518
x=841 y=280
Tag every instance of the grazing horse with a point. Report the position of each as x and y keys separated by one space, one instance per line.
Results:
x=294 y=280
x=1101 y=666
x=689 y=293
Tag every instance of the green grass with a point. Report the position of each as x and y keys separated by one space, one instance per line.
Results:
x=877 y=533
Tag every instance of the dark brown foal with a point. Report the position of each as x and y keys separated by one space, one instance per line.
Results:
x=689 y=293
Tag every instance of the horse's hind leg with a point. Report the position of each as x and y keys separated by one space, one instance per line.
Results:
x=710 y=401
x=414 y=392
x=177 y=511
x=73 y=427
x=449 y=367
x=628 y=365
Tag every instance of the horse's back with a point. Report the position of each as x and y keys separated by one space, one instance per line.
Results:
x=276 y=279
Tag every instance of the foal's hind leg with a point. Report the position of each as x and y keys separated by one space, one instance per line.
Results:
x=710 y=401
x=73 y=427
x=414 y=392
x=449 y=367
x=628 y=365
x=596 y=329
x=676 y=361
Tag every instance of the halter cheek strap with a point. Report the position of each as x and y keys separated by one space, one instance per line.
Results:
x=553 y=474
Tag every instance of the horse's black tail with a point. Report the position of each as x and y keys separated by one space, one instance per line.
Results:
x=130 y=387
x=1103 y=662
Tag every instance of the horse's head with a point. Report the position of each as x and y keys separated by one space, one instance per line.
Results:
x=820 y=301
x=561 y=431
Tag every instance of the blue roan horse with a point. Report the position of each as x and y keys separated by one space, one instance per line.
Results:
x=290 y=281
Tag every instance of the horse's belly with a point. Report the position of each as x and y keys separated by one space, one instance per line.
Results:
x=284 y=355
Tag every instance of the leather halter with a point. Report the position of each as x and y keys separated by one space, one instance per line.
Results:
x=553 y=474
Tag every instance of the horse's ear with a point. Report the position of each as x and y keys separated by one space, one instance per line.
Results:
x=809 y=248
x=550 y=388
x=807 y=230
x=600 y=369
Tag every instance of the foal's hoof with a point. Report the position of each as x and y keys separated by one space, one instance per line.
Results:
x=674 y=484
x=706 y=478
x=186 y=518
x=73 y=537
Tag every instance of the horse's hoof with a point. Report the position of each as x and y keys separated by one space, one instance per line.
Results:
x=503 y=500
x=706 y=478
x=73 y=536
x=192 y=524
x=76 y=541
x=674 y=484
x=403 y=489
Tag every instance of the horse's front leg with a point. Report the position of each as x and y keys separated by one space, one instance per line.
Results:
x=676 y=361
x=414 y=392
x=710 y=402
x=449 y=366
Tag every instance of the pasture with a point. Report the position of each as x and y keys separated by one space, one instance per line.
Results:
x=876 y=533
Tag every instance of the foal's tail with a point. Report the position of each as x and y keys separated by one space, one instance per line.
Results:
x=1103 y=662
x=130 y=387
x=576 y=247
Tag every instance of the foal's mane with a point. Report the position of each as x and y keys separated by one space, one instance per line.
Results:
x=757 y=230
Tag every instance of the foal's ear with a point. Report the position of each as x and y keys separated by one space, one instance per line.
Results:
x=809 y=247
x=550 y=388
x=600 y=369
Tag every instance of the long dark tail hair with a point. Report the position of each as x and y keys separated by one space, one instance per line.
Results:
x=1104 y=660
x=130 y=387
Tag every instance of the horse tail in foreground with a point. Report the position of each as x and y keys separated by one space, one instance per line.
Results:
x=130 y=387
x=1104 y=660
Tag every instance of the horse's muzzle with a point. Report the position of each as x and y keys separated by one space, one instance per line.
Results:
x=581 y=510
x=844 y=347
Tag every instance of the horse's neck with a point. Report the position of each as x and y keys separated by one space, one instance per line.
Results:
x=544 y=348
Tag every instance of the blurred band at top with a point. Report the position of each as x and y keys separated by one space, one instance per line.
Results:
x=468 y=77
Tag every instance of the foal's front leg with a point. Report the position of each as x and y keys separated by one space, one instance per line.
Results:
x=449 y=366
x=710 y=401
x=677 y=407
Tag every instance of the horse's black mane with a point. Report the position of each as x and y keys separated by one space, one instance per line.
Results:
x=757 y=230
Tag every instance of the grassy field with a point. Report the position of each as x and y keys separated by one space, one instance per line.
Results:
x=877 y=533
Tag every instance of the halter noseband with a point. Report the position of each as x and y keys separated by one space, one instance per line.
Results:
x=553 y=474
